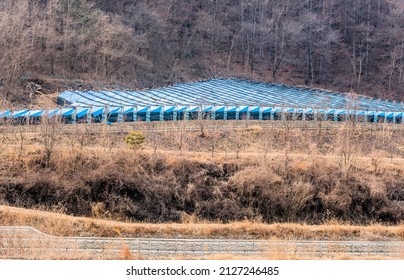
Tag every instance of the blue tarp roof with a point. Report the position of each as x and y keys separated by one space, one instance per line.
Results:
x=217 y=95
x=36 y=113
x=52 y=113
x=20 y=114
x=169 y=110
x=232 y=92
x=67 y=112
x=143 y=110
x=5 y=114
x=97 y=111
x=82 y=112
x=113 y=110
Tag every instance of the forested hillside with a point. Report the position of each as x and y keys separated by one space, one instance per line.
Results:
x=346 y=45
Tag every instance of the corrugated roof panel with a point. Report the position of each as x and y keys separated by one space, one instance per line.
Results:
x=229 y=92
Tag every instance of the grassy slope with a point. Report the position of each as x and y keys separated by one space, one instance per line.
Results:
x=64 y=225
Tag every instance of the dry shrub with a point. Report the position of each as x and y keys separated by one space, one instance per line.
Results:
x=125 y=254
x=137 y=186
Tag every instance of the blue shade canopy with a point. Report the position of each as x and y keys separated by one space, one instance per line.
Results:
x=228 y=92
x=169 y=110
x=220 y=110
x=181 y=110
x=67 y=112
x=156 y=110
x=36 y=113
x=128 y=110
x=244 y=109
x=5 y=114
x=193 y=108
x=20 y=114
x=223 y=98
x=114 y=110
x=52 y=113
x=81 y=112
x=97 y=112
x=255 y=110
x=143 y=110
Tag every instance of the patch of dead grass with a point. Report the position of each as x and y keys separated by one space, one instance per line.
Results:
x=64 y=225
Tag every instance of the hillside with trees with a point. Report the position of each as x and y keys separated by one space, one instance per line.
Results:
x=344 y=45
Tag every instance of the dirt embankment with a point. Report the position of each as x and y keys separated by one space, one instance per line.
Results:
x=135 y=186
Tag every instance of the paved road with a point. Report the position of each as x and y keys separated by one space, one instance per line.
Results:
x=28 y=243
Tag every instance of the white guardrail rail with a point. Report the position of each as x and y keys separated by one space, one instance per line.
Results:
x=29 y=243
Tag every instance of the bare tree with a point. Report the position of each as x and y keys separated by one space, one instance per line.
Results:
x=49 y=137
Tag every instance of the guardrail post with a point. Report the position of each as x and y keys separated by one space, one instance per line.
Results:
x=226 y=108
x=213 y=114
x=260 y=113
x=248 y=113
x=238 y=113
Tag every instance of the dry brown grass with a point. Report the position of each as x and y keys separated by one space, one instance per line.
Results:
x=298 y=188
x=64 y=225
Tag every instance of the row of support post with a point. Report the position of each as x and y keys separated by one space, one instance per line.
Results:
x=269 y=113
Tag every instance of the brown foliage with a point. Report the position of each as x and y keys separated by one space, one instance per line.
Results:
x=136 y=186
x=344 y=45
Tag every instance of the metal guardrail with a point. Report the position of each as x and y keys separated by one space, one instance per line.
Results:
x=28 y=243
